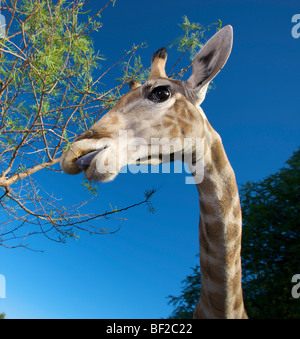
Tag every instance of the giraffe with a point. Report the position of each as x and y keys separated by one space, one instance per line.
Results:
x=168 y=109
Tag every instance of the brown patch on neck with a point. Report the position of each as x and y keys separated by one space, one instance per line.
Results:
x=218 y=156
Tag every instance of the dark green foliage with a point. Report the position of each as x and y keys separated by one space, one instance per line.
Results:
x=271 y=242
x=186 y=302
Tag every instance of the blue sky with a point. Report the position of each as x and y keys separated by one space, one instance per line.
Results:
x=254 y=107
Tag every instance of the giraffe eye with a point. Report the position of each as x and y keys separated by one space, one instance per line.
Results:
x=160 y=94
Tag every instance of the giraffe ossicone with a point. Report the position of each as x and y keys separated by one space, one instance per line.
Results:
x=161 y=121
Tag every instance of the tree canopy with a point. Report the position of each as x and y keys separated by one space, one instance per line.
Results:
x=48 y=94
x=271 y=242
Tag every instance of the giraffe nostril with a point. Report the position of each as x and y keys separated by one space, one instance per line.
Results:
x=85 y=135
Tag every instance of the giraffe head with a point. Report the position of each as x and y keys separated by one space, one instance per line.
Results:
x=155 y=122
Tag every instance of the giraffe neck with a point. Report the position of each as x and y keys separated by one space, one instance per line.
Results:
x=220 y=231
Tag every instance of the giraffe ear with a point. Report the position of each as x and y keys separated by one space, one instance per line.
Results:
x=133 y=84
x=209 y=61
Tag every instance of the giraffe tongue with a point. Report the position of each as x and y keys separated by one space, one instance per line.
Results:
x=84 y=162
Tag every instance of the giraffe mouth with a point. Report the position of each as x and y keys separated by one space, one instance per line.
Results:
x=84 y=161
